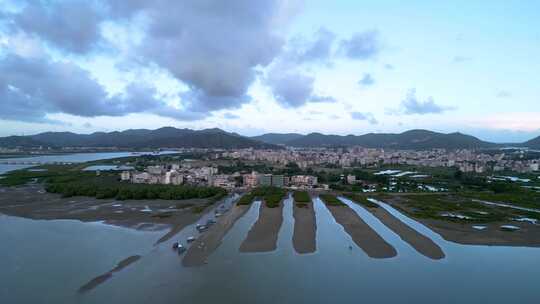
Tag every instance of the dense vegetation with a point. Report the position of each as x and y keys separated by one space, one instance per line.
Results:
x=359 y=199
x=331 y=200
x=71 y=181
x=272 y=196
x=301 y=198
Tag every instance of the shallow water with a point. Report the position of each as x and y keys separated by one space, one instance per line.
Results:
x=333 y=274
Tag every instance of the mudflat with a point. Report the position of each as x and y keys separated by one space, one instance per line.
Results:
x=305 y=228
x=418 y=241
x=32 y=201
x=95 y=282
x=263 y=236
x=361 y=233
x=208 y=242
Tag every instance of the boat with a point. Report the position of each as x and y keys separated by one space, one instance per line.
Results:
x=202 y=228
x=218 y=214
x=181 y=249
x=175 y=245
x=210 y=222
x=191 y=239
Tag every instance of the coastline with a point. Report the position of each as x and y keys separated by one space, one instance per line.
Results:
x=305 y=229
x=263 y=235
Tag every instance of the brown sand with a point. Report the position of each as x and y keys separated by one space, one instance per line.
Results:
x=305 y=229
x=95 y=282
x=262 y=237
x=418 y=241
x=361 y=233
x=33 y=202
x=208 y=242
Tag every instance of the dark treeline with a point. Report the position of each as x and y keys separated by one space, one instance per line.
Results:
x=121 y=191
x=272 y=196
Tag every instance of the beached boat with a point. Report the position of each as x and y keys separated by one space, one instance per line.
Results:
x=191 y=239
x=181 y=249
x=202 y=228
x=175 y=245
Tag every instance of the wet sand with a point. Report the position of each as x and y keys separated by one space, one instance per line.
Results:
x=361 y=233
x=418 y=241
x=95 y=282
x=208 y=242
x=263 y=236
x=305 y=229
x=32 y=201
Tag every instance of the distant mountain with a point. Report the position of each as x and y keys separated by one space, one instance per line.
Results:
x=276 y=138
x=167 y=137
x=413 y=139
x=533 y=143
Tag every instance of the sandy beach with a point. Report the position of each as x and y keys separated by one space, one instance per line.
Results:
x=361 y=233
x=263 y=236
x=418 y=241
x=208 y=242
x=305 y=229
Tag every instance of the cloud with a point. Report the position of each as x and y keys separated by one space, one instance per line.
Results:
x=215 y=48
x=461 y=59
x=31 y=88
x=412 y=105
x=230 y=116
x=70 y=25
x=317 y=50
x=503 y=94
x=362 y=46
x=364 y=116
x=367 y=80
x=292 y=88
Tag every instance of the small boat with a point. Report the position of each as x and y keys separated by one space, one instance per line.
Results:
x=181 y=249
x=191 y=239
x=175 y=245
x=202 y=228
x=210 y=222
x=218 y=214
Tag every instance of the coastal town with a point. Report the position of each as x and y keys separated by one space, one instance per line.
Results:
x=188 y=172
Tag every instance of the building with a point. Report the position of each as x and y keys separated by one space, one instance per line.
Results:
x=125 y=176
x=351 y=179
x=250 y=180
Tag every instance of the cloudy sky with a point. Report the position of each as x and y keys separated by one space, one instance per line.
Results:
x=342 y=67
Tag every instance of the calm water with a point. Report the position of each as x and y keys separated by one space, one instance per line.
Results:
x=68 y=158
x=53 y=258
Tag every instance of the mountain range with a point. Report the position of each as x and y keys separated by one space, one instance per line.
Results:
x=169 y=137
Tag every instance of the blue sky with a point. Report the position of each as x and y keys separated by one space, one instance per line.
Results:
x=342 y=67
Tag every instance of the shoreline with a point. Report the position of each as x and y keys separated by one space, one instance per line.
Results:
x=361 y=233
x=263 y=235
x=305 y=229
x=33 y=202
x=207 y=243
x=421 y=243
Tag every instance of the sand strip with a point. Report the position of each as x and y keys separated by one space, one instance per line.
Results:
x=263 y=235
x=361 y=233
x=208 y=242
x=418 y=241
x=95 y=282
x=305 y=229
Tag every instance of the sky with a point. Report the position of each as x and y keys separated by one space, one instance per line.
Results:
x=253 y=67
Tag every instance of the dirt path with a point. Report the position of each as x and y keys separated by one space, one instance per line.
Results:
x=208 y=242
x=263 y=236
x=361 y=233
